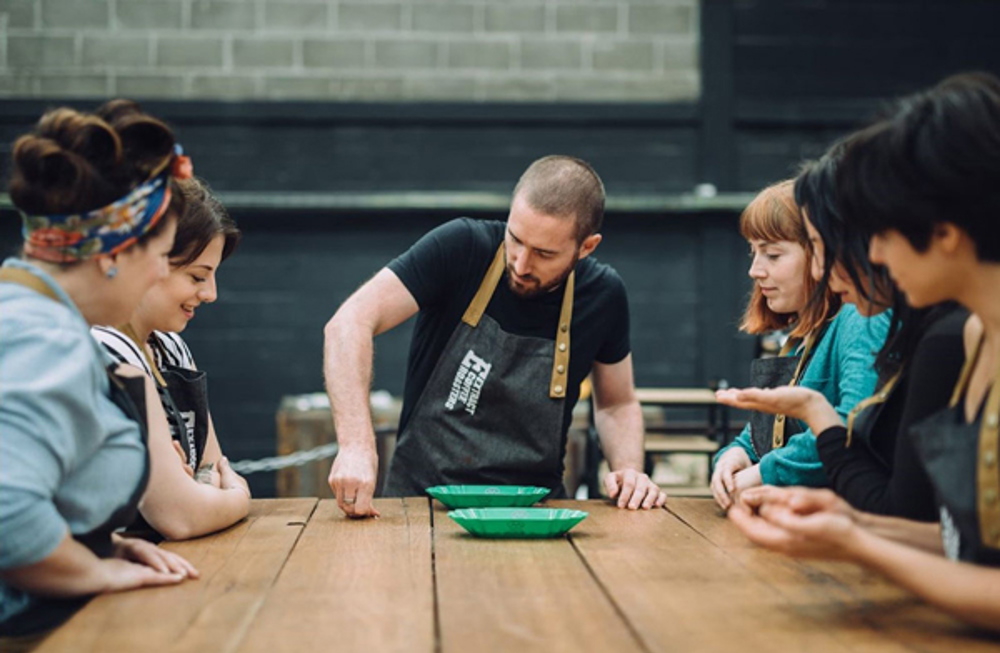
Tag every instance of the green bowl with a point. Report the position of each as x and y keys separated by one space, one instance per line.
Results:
x=517 y=522
x=487 y=496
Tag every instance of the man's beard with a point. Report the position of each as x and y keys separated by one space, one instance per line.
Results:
x=536 y=289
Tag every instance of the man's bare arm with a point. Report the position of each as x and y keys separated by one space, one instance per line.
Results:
x=348 y=349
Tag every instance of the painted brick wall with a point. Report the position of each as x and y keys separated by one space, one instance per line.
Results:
x=402 y=50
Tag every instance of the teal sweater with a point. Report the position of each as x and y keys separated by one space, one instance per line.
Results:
x=842 y=367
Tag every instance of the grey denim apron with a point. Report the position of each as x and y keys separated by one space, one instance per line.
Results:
x=862 y=419
x=492 y=410
x=184 y=396
x=767 y=431
x=129 y=394
x=961 y=461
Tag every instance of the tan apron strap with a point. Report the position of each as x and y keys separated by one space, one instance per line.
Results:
x=134 y=337
x=478 y=305
x=560 y=362
x=879 y=397
x=963 y=378
x=790 y=344
x=987 y=478
x=30 y=281
x=778 y=430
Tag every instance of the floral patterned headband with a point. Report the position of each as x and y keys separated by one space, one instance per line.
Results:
x=109 y=229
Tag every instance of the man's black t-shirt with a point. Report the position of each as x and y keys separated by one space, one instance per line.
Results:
x=443 y=271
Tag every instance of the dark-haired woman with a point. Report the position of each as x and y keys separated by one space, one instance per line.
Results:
x=924 y=182
x=200 y=493
x=867 y=457
x=835 y=359
x=99 y=207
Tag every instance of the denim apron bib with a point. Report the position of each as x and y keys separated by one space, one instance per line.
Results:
x=492 y=410
x=961 y=461
x=767 y=431
x=129 y=395
x=184 y=395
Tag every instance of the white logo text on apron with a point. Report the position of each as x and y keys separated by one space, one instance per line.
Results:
x=951 y=539
x=468 y=383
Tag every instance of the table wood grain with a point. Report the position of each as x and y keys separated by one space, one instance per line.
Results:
x=299 y=576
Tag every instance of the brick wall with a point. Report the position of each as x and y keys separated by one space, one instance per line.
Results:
x=419 y=50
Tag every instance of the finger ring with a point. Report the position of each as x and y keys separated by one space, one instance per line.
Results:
x=349 y=502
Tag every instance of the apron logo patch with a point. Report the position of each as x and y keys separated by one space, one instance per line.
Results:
x=951 y=540
x=468 y=383
x=189 y=422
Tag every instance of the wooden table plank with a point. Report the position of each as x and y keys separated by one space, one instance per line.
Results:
x=862 y=598
x=683 y=593
x=238 y=567
x=353 y=585
x=521 y=595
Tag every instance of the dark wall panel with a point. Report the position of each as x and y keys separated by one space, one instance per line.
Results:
x=807 y=50
x=354 y=158
x=766 y=155
x=377 y=148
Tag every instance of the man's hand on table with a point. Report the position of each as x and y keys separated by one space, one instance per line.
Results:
x=352 y=479
x=634 y=490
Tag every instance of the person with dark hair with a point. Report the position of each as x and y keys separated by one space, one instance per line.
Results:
x=867 y=457
x=493 y=374
x=923 y=182
x=200 y=493
x=833 y=359
x=99 y=203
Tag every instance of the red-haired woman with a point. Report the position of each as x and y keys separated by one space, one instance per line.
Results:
x=831 y=351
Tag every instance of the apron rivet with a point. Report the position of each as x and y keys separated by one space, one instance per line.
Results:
x=990 y=458
x=559 y=389
x=990 y=496
x=991 y=420
x=564 y=328
x=562 y=346
x=561 y=369
x=780 y=418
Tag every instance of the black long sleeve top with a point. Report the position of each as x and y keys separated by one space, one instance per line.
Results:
x=883 y=475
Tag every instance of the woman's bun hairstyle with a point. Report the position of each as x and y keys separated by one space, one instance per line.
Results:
x=74 y=162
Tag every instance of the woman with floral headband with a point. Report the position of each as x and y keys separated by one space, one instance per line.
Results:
x=175 y=505
x=99 y=204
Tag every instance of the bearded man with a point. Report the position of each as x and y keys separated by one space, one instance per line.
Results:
x=493 y=371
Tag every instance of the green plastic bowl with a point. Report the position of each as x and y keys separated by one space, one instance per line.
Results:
x=487 y=496
x=517 y=522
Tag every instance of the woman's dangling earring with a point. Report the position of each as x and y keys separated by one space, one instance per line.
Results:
x=112 y=272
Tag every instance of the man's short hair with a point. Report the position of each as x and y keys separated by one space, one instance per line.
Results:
x=564 y=187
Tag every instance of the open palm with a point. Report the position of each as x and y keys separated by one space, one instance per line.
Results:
x=793 y=401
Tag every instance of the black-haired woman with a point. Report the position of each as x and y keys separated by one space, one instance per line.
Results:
x=924 y=182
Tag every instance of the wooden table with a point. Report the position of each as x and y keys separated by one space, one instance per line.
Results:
x=297 y=576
